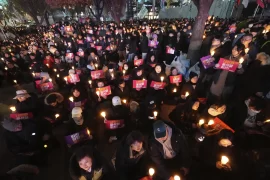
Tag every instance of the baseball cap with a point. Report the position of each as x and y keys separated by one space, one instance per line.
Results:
x=159 y=129
x=76 y=112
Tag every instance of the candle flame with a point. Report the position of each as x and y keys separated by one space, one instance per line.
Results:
x=55 y=70
x=151 y=171
x=161 y=78
x=176 y=177
x=211 y=122
x=155 y=113
x=71 y=99
x=241 y=60
x=187 y=94
x=124 y=101
x=88 y=132
x=12 y=108
x=57 y=115
x=90 y=82
x=15 y=81
x=267 y=121
x=201 y=122
x=224 y=160
x=212 y=53
x=174 y=90
x=103 y=114
x=65 y=78
x=50 y=79
x=57 y=75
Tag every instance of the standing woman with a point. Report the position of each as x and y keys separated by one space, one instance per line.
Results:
x=224 y=81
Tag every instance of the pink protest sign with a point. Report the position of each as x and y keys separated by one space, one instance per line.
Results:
x=139 y=84
x=157 y=85
x=227 y=65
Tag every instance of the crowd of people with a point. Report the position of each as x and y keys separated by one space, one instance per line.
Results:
x=132 y=84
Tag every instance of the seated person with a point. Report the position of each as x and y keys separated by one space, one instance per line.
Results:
x=169 y=150
x=131 y=157
x=87 y=164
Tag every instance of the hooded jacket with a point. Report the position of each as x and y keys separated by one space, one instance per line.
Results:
x=180 y=147
x=125 y=164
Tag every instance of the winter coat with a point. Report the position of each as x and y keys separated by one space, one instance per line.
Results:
x=123 y=94
x=24 y=141
x=127 y=167
x=180 y=147
x=60 y=108
x=29 y=105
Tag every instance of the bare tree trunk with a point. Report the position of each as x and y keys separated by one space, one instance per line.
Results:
x=46 y=17
x=203 y=7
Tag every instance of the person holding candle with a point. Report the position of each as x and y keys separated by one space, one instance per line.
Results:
x=189 y=89
x=224 y=81
x=132 y=158
x=54 y=104
x=26 y=102
x=169 y=150
x=138 y=94
x=158 y=76
x=173 y=89
x=250 y=47
x=78 y=98
x=185 y=116
x=117 y=112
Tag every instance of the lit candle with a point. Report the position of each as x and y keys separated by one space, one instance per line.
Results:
x=50 y=79
x=241 y=60
x=176 y=177
x=151 y=172
x=246 y=50
x=174 y=90
x=96 y=65
x=103 y=114
x=201 y=122
x=33 y=74
x=90 y=82
x=88 y=132
x=112 y=75
x=161 y=78
x=71 y=99
x=55 y=70
x=98 y=93
x=203 y=36
x=72 y=67
x=187 y=94
x=6 y=68
x=65 y=78
x=56 y=116
x=124 y=71
x=211 y=122
x=12 y=108
x=47 y=64
x=57 y=75
x=30 y=68
x=267 y=121
x=45 y=146
x=224 y=160
x=212 y=53
x=155 y=114
x=15 y=81
x=124 y=101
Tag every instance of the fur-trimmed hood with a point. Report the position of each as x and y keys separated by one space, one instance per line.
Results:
x=59 y=99
x=263 y=58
